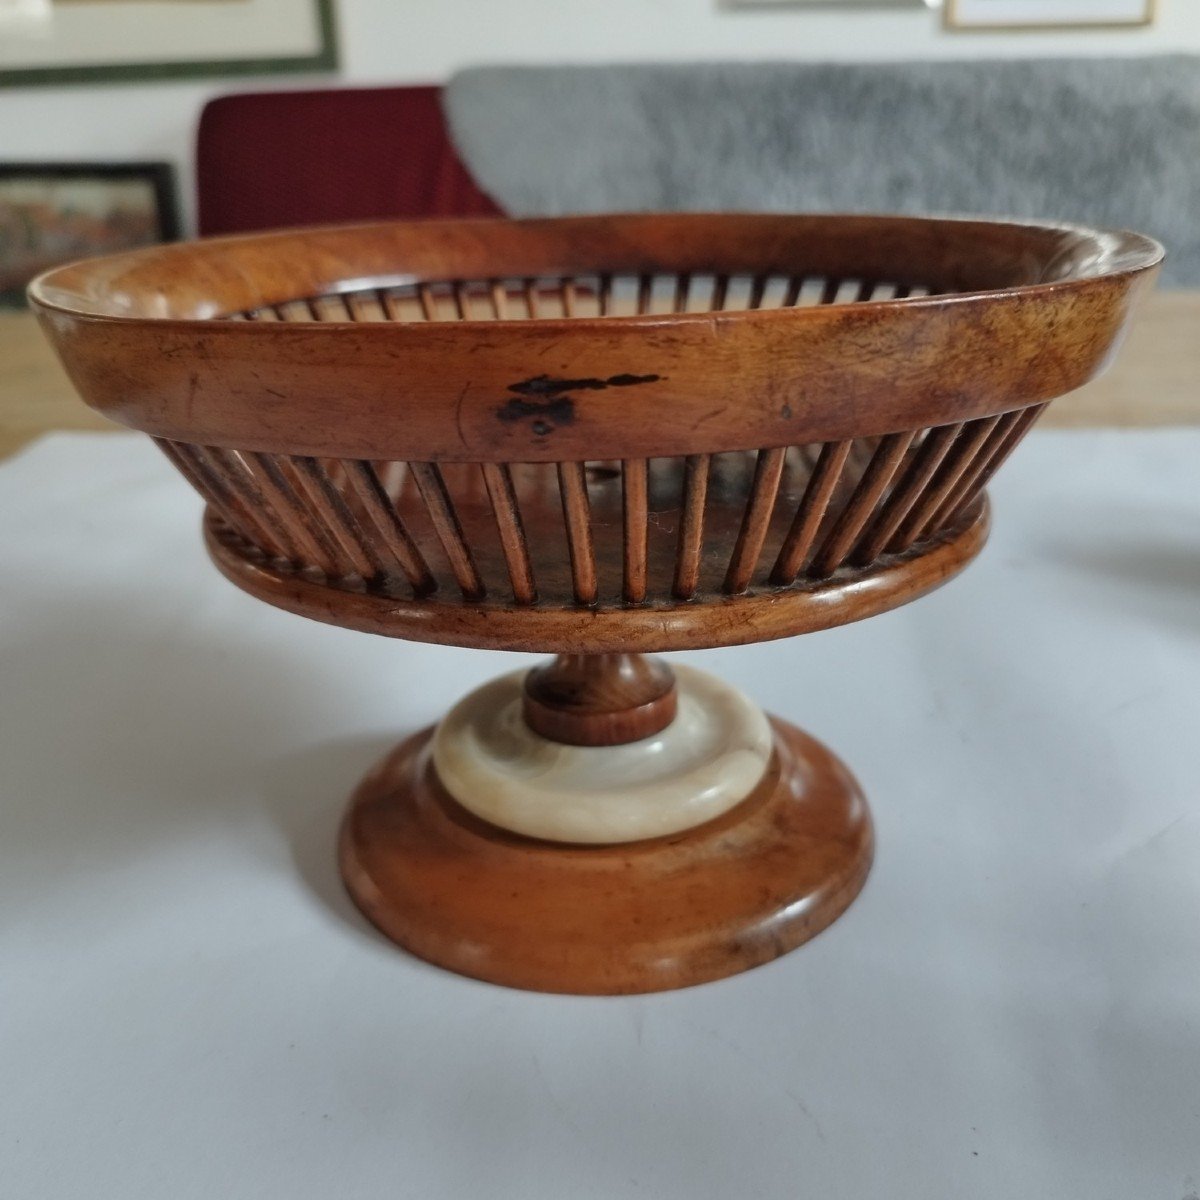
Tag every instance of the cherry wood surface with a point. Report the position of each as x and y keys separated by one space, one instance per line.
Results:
x=600 y=699
x=666 y=624
x=642 y=917
x=1019 y=314
x=1151 y=382
x=687 y=430
x=598 y=437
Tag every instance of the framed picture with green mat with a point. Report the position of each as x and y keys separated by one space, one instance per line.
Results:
x=125 y=41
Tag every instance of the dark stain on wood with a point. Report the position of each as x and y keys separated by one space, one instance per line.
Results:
x=546 y=385
x=557 y=409
x=548 y=414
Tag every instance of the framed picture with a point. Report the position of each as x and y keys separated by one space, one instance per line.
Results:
x=121 y=41
x=51 y=213
x=1047 y=14
x=825 y=4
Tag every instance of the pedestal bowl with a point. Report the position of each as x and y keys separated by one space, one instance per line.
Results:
x=599 y=438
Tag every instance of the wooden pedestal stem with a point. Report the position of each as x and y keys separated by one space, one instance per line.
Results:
x=600 y=699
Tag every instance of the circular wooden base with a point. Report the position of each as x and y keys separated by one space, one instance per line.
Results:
x=639 y=917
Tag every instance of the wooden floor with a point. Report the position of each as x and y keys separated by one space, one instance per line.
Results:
x=35 y=393
x=1155 y=381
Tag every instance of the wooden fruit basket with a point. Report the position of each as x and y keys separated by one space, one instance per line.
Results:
x=599 y=437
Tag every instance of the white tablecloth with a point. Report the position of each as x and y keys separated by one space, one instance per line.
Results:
x=190 y=1007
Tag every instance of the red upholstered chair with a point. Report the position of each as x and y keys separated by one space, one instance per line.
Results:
x=272 y=159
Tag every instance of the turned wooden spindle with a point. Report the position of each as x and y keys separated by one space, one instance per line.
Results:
x=600 y=699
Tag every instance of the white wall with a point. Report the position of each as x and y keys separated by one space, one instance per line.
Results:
x=414 y=41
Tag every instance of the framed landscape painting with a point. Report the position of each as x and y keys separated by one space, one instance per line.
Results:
x=123 y=41
x=52 y=213
x=1047 y=14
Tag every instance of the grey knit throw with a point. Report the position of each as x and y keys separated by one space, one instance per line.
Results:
x=1112 y=142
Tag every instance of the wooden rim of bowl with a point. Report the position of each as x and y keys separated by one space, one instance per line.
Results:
x=1023 y=312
